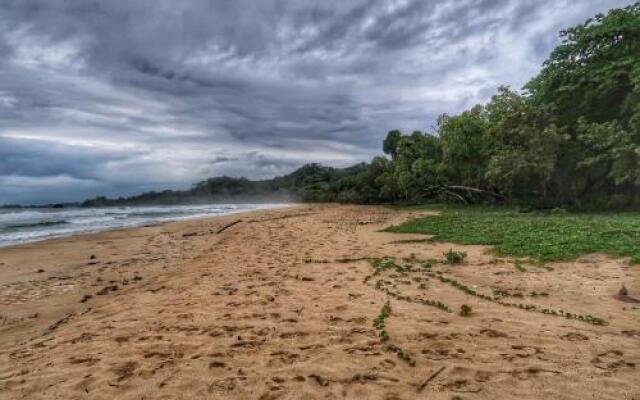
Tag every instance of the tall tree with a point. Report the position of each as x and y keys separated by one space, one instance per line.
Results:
x=466 y=146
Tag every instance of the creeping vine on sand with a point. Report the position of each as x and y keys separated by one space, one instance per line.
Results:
x=379 y=324
x=380 y=265
x=526 y=307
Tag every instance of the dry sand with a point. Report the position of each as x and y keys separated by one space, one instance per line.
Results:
x=256 y=312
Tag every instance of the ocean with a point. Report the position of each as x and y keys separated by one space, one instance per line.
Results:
x=23 y=225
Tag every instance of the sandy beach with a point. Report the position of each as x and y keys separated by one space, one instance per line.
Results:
x=280 y=304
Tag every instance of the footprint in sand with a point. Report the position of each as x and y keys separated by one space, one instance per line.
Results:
x=461 y=386
x=125 y=370
x=283 y=358
x=611 y=360
x=443 y=354
x=631 y=333
x=368 y=349
x=521 y=352
x=223 y=385
x=574 y=337
x=531 y=372
x=88 y=361
x=492 y=333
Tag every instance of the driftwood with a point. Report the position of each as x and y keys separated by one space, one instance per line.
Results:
x=227 y=226
x=220 y=230
x=476 y=190
x=464 y=193
x=57 y=324
x=623 y=295
x=462 y=199
x=429 y=379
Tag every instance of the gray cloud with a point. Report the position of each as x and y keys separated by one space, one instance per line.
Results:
x=115 y=97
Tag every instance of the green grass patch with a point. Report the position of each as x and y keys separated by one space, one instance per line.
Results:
x=540 y=236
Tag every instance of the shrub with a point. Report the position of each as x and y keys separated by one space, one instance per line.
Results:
x=454 y=257
x=465 y=310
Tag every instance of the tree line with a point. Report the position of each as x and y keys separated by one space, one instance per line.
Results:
x=570 y=137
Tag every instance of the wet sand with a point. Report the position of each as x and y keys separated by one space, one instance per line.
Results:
x=281 y=306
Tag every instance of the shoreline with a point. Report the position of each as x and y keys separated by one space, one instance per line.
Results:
x=123 y=233
x=147 y=225
x=279 y=306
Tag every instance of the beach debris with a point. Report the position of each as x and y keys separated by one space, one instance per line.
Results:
x=227 y=226
x=430 y=378
x=58 y=323
x=623 y=291
x=623 y=295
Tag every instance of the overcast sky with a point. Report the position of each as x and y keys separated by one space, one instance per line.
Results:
x=121 y=96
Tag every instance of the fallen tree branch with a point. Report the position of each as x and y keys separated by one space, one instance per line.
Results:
x=476 y=190
x=429 y=379
x=466 y=194
x=58 y=323
x=224 y=228
x=456 y=195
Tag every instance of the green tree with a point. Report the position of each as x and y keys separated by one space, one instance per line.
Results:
x=526 y=145
x=595 y=72
x=466 y=147
x=390 y=143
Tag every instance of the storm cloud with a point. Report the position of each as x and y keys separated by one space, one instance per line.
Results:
x=120 y=96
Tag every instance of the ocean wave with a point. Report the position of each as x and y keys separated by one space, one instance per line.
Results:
x=37 y=224
x=23 y=226
x=20 y=215
x=91 y=220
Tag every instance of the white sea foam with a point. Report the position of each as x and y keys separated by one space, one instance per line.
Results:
x=29 y=225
